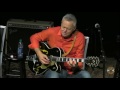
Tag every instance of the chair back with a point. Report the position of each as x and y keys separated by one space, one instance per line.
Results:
x=2 y=40
x=86 y=48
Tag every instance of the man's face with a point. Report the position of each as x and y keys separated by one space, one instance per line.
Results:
x=67 y=28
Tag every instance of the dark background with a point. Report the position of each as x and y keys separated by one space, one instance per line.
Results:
x=109 y=22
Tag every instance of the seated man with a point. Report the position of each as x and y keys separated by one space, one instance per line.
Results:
x=70 y=40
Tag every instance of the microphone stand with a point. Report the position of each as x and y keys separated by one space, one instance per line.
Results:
x=117 y=57
x=102 y=52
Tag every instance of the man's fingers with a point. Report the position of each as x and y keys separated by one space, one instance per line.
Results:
x=72 y=63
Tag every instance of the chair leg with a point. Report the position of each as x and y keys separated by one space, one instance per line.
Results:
x=22 y=69
x=7 y=68
x=117 y=70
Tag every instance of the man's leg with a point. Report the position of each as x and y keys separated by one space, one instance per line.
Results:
x=51 y=74
x=54 y=74
x=82 y=74
x=63 y=74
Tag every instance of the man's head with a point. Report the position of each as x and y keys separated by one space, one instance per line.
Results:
x=68 y=25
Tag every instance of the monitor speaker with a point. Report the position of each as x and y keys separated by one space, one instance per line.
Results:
x=23 y=29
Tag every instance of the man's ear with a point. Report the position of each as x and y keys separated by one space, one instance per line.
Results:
x=74 y=28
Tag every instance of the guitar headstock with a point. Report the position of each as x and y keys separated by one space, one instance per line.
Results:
x=93 y=61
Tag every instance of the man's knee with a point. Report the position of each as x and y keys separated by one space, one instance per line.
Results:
x=51 y=74
x=84 y=74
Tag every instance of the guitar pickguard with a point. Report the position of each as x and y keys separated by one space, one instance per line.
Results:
x=43 y=66
x=44 y=51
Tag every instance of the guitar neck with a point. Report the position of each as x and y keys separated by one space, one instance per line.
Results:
x=65 y=59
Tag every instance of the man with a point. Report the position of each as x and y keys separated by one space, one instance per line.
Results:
x=69 y=39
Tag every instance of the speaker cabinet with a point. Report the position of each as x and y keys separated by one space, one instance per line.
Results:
x=22 y=29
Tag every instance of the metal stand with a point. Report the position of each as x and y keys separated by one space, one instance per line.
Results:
x=117 y=67
x=103 y=57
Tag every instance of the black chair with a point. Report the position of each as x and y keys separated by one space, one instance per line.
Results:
x=2 y=39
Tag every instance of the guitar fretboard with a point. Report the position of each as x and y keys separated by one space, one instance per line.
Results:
x=65 y=59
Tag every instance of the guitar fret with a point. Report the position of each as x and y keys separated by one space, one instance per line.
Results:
x=58 y=59
x=64 y=59
x=82 y=60
x=61 y=59
x=73 y=59
x=67 y=59
x=77 y=60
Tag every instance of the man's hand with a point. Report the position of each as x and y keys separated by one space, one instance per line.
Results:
x=72 y=63
x=42 y=57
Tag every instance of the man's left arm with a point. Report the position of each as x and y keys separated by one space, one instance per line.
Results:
x=80 y=51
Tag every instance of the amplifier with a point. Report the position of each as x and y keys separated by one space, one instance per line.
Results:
x=22 y=29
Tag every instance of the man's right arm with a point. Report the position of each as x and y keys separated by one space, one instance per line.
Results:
x=35 y=40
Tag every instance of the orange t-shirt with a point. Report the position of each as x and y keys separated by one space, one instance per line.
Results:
x=54 y=39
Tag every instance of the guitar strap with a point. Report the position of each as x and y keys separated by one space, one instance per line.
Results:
x=65 y=54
